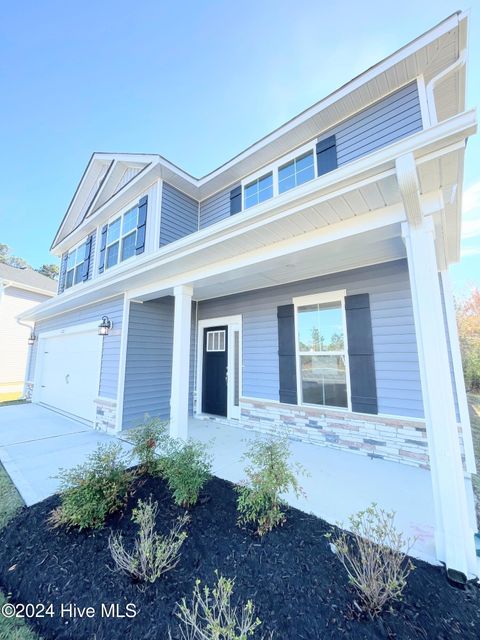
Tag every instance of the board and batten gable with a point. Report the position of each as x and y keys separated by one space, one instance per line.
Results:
x=113 y=308
x=382 y=123
x=179 y=215
x=395 y=350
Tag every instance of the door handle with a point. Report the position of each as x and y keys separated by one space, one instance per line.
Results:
x=67 y=378
x=226 y=375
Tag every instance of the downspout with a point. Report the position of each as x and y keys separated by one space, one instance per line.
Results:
x=430 y=88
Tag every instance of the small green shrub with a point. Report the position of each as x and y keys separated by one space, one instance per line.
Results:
x=147 y=439
x=211 y=615
x=269 y=475
x=186 y=467
x=374 y=555
x=153 y=554
x=92 y=490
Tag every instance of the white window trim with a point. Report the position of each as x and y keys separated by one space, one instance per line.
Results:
x=74 y=248
x=273 y=168
x=119 y=214
x=323 y=298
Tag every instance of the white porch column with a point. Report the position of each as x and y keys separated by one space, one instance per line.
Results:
x=181 y=362
x=454 y=533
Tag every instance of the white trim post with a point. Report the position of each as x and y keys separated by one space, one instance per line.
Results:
x=182 y=325
x=454 y=539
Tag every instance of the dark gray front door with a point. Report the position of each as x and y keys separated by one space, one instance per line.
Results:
x=214 y=375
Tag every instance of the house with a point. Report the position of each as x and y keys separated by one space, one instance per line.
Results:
x=303 y=285
x=20 y=291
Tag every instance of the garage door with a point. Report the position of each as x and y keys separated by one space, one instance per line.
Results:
x=69 y=372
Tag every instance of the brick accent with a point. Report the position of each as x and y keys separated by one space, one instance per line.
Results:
x=105 y=415
x=397 y=439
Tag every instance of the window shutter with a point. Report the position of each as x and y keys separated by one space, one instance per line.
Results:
x=326 y=155
x=236 y=200
x=142 y=225
x=62 y=273
x=103 y=246
x=363 y=382
x=86 y=260
x=286 y=354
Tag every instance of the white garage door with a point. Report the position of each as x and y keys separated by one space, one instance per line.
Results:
x=69 y=372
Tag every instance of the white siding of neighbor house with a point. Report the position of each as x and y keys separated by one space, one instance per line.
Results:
x=14 y=336
x=113 y=308
x=396 y=359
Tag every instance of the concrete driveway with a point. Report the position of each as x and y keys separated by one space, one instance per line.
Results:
x=36 y=442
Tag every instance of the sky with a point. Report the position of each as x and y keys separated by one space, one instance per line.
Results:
x=194 y=81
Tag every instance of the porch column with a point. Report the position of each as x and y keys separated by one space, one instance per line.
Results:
x=181 y=362
x=454 y=529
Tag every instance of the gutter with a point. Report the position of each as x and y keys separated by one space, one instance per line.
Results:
x=430 y=88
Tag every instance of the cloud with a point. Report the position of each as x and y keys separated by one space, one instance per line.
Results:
x=471 y=198
x=471 y=217
x=470 y=251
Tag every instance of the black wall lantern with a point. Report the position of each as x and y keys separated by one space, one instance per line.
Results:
x=105 y=326
x=32 y=338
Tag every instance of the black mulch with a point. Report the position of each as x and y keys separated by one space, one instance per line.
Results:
x=298 y=586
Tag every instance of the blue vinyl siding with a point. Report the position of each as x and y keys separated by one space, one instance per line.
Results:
x=394 y=117
x=148 y=367
x=396 y=359
x=215 y=208
x=113 y=308
x=179 y=215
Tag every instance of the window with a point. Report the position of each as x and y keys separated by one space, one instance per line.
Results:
x=296 y=172
x=75 y=261
x=322 y=358
x=258 y=190
x=215 y=340
x=121 y=238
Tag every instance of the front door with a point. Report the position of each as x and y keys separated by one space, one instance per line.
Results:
x=215 y=371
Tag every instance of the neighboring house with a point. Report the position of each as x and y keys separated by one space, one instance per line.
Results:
x=20 y=290
x=303 y=285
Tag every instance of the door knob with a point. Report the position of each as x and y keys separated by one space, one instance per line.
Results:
x=67 y=378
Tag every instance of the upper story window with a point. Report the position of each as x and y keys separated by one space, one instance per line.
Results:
x=295 y=172
x=121 y=238
x=259 y=190
x=75 y=267
x=321 y=351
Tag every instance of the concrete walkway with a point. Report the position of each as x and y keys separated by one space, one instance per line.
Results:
x=35 y=443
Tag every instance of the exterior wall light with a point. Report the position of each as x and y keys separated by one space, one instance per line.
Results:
x=105 y=326
x=32 y=338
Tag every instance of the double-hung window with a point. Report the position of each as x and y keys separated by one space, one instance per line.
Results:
x=258 y=190
x=121 y=238
x=296 y=172
x=75 y=260
x=322 y=363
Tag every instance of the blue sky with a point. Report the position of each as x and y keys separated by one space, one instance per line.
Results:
x=194 y=81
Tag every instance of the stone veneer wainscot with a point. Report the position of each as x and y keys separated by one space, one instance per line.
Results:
x=105 y=415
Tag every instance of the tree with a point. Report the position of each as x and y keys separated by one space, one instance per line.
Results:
x=4 y=253
x=49 y=270
x=468 y=320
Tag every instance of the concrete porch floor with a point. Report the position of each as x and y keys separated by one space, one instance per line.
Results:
x=339 y=483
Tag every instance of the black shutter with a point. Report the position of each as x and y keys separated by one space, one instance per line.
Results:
x=142 y=225
x=236 y=200
x=286 y=354
x=326 y=155
x=103 y=246
x=86 y=260
x=63 y=273
x=363 y=382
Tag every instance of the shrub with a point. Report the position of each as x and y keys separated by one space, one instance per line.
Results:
x=153 y=554
x=211 y=615
x=375 y=557
x=91 y=491
x=269 y=475
x=186 y=467
x=146 y=439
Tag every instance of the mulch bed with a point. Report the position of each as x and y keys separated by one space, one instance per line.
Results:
x=298 y=586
